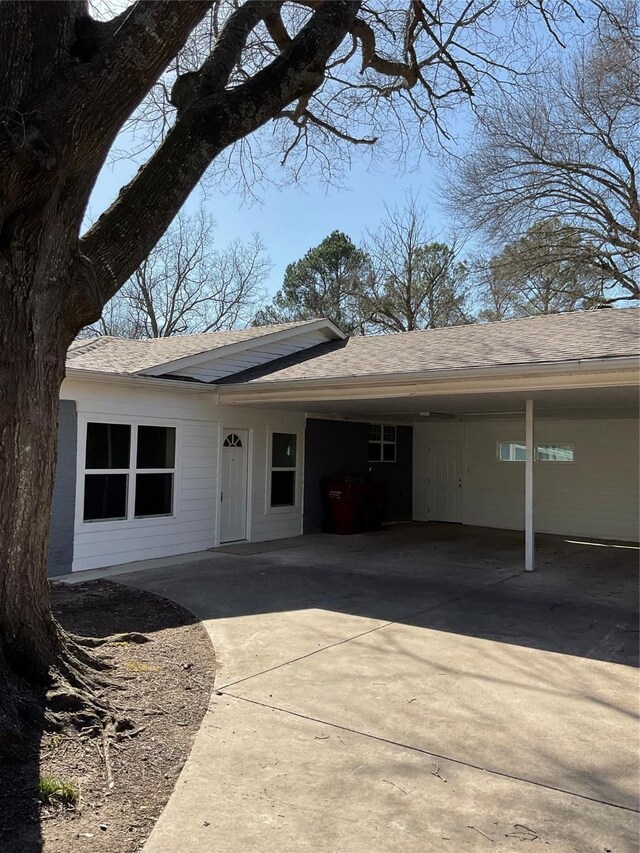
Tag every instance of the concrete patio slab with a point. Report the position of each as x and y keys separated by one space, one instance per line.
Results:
x=411 y=690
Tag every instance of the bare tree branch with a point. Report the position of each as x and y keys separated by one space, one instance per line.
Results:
x=207 y=126
x=188 y=285
x=566 y=148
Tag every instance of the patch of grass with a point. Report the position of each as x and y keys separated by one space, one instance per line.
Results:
x=140 y=666
x=54 y=742
x=52 y=791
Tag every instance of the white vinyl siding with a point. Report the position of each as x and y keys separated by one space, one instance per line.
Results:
x=216 y=368
x=199 y=423
x=594 y=496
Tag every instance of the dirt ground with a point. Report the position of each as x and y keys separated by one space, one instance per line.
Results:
x=165 y=688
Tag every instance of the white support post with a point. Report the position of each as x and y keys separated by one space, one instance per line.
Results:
x=528 y=488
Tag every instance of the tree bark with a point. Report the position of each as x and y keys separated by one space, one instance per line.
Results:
x=34 y=336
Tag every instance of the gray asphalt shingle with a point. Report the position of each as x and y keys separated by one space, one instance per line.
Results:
x=604 y=333
x=123 y=355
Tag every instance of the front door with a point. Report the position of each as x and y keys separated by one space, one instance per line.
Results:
x=233 y=486
x=445 y=481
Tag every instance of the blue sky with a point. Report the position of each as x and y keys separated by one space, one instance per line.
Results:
x=292 y=220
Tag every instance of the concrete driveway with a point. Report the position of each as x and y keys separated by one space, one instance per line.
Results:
x=410 y=690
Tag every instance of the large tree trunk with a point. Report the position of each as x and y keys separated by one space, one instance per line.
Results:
x=34 y=336
x=28 y=428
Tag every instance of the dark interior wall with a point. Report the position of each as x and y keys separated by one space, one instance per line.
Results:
x=64 y=492
x=342 y=447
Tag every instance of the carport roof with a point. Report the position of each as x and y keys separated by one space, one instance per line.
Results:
x=552 y=339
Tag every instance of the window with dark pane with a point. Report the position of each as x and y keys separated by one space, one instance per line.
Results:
x=105 y=497
x=107 y=446
x=388 y=452
x=283 y=469
x=154 y=495
x=156 y=447
x=284 y=450
x=375 y=451
x=283 y=488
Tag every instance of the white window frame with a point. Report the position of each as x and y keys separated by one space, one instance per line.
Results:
x=509 y=441
x=556 y=461
x=537 y=447
x=297 y=486
x=382 y=443
x=131 y=472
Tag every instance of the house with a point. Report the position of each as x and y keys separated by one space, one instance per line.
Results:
x=177 y=445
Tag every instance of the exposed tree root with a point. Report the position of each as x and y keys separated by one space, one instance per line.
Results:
x=96 y=642
x=77 y=692
x=75 y=698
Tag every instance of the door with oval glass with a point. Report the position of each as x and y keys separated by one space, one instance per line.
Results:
x=233 y=486
x=444 y=483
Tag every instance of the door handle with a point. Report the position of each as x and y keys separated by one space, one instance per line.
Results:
x=221 y=496
x=459 y=482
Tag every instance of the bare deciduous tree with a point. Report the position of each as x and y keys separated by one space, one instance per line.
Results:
x=187 y=285
x=416 y=282
x=567 y=147
x=68 y=85
x=543 y=272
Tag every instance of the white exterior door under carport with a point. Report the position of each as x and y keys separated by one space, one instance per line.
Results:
x=444 y=481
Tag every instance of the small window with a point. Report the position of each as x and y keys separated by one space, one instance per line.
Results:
x=516 y=451
x=283 y=469
x=232 y=440
x=512 y=451
x=382 y=443
x=554 y=453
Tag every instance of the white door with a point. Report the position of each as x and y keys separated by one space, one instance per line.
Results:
x=444 y=483
x=233 y=486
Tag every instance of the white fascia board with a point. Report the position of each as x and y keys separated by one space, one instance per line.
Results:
x=134 y=379
x=333 y=333
x=540 y=376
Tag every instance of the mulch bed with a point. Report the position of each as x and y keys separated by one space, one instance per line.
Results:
x=167 y=684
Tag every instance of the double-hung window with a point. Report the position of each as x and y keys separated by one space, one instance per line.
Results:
x=283 y=469
x=129 y=471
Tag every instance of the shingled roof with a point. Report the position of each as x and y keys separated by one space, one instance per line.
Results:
x=557 y=338
x=126 y=356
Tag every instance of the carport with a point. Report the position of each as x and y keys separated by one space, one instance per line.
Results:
x=544 y=447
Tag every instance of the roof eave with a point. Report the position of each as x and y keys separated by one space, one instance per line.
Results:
x=240 y=346
x=399 y=379
x=136 y=379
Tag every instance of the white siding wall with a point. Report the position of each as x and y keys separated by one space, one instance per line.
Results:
x=211 y=370
x=595 y=496
x=199 y=424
